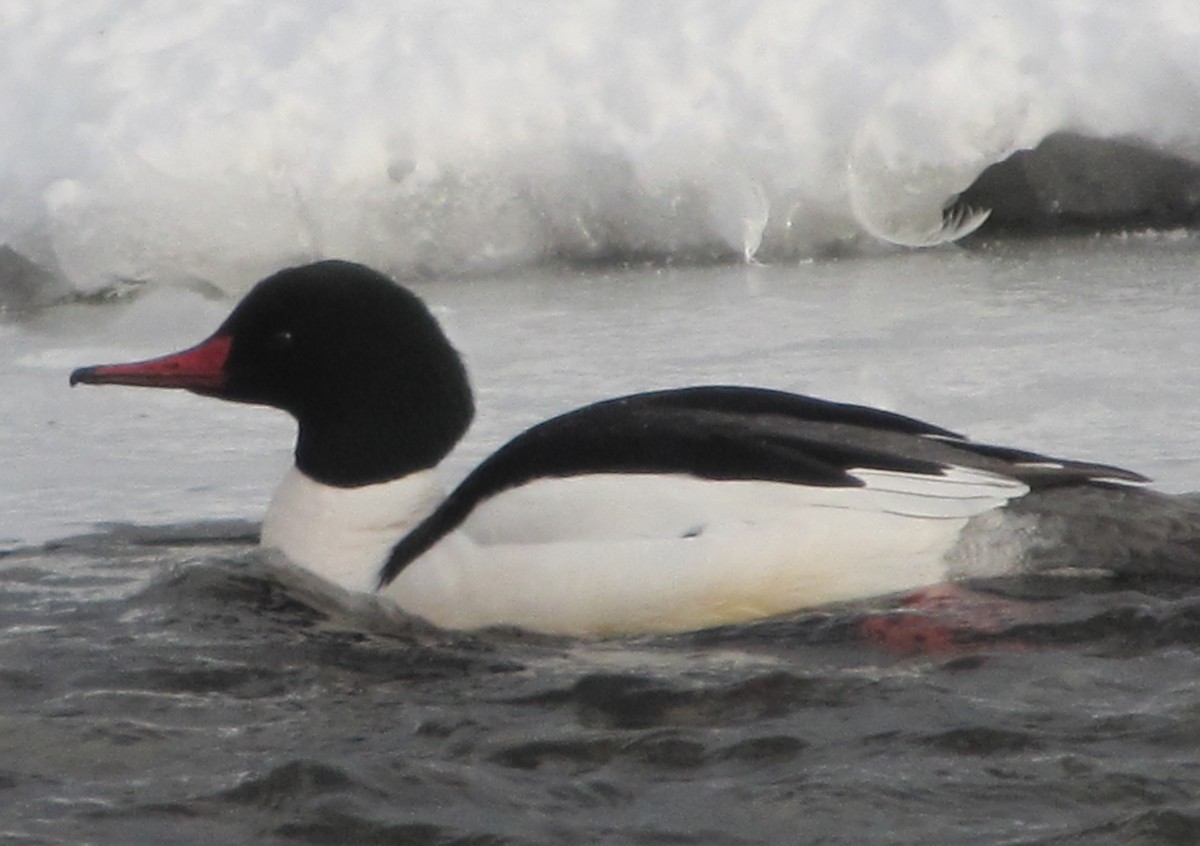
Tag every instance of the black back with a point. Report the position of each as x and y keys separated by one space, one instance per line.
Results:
x=722 y=432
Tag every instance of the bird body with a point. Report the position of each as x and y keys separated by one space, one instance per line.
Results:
x=656 y=512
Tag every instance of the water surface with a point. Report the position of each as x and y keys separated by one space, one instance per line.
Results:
x=159 y=684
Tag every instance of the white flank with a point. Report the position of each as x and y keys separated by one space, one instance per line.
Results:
x=627 y=553
x=727 y=575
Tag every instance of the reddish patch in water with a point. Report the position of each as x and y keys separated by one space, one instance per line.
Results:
x=946 y=619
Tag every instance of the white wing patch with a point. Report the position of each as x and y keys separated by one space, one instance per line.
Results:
x=956 y=492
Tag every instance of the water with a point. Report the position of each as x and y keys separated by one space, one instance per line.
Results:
x=160 y=685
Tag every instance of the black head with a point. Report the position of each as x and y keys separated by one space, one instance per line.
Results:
x=359 y=361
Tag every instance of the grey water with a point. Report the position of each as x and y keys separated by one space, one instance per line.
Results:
x=158 y=684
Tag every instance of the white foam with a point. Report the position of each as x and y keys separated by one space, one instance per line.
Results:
x=171 y=140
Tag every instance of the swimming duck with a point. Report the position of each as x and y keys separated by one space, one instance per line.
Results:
x=665 y=511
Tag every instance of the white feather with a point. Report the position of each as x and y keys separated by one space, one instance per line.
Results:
x=625 y=506
x=344 y=535
x=727 y=575
x=625 y=553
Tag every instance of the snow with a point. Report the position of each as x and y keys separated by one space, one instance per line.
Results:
x=172 y=141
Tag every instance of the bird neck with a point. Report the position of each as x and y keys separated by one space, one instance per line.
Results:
x=394 y=435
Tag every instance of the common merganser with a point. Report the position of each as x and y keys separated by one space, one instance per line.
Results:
x=657 y=512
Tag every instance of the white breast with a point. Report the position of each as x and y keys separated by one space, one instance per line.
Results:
x=344 y=535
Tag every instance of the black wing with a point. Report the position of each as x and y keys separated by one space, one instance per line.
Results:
x=728 y=433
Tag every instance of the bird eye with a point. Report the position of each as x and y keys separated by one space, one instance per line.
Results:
x=282 y=340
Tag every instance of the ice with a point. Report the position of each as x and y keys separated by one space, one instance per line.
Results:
x=171 y=141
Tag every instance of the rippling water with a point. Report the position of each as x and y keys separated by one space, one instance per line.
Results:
x=160 y=684
x=160 y=687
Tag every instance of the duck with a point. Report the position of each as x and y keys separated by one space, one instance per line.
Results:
x=659 y=512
